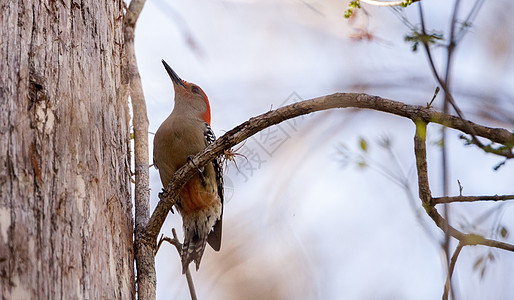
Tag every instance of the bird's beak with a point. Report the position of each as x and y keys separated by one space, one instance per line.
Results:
x=174 y=77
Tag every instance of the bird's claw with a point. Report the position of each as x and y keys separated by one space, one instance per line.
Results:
x=200 y=172
x=163 y=195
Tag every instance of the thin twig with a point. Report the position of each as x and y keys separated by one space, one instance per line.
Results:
x=469 y=238
x=436 y=75
x=447 y=286
x=500 y=151
x=469 y=20
x=444 y=150
x=143 y=248
x=429 y=104
x=439 y=200
x=175 y=242
x=189 y=278
x=400 y=14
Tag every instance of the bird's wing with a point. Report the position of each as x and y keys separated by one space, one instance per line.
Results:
x=214 y=237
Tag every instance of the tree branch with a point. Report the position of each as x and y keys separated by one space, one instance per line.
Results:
x=426 y=197
x=439 y=200
x=175 y=242
x=448 y=96
x=338 y=100
x=453 y=261
x=143 y=250
x=469 y=20
x=505 y=151
x=444 y=150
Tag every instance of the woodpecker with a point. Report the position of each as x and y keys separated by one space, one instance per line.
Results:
x=183 y=134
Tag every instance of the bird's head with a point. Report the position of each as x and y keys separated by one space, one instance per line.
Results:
x=189 y=92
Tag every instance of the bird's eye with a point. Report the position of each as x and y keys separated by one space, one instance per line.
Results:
x=195 y=89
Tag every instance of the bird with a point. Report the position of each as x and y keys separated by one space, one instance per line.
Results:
x=183 y=134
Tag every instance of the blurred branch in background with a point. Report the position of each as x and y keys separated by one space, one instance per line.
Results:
x=453 y=262
x=457 y=30
x=182 y=25
x=429 y=205
x=392 y=169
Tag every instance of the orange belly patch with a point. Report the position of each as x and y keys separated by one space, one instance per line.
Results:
x=194 y=196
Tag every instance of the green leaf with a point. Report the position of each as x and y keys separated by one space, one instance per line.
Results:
x=406 y=3
x=417 y=37
x=352 y=5
x=504 y=232
x=363 y=144
x=355 y=4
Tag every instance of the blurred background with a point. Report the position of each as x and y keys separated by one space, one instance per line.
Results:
x=325 y=206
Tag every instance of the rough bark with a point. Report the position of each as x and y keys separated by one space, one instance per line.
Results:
x=65 y=209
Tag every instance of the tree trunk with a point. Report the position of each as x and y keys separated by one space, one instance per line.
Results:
x=65 y=208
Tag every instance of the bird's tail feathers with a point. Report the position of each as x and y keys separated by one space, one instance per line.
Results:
x=197 y=227
x=193 y=247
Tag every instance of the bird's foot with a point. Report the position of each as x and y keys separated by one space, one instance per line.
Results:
x=163 y=196
x=200 y=172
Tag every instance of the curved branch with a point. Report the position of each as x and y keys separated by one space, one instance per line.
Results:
x=426 y=197
x=338 y=100
x=467 y=238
